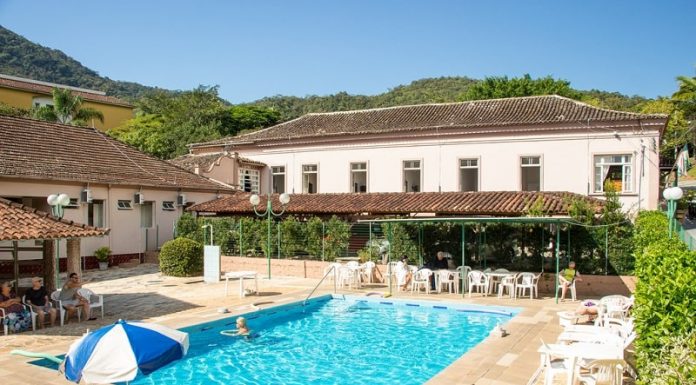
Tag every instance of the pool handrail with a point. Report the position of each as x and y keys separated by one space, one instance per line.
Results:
x=332 y=268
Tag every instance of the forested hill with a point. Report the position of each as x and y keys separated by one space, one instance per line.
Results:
x=431 y=90
x=21 y=57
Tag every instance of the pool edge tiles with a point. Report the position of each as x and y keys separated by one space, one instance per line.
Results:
x=434 y=304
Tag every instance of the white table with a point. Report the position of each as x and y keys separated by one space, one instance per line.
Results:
x=241 y=275
x=493 y=276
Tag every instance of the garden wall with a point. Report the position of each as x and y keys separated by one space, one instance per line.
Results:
x=592 y=286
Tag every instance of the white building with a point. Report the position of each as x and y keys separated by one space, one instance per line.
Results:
x=541 y=143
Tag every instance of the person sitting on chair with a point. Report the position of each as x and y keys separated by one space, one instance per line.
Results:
x=566 y=278
x=403 y=274
x=17 y=318
x=72 y=300
x=37 y=297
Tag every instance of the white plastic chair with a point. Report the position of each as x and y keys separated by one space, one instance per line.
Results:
x=478 y=279
x=571 y=287
x=527 y=281
x=334 y=275
x=552 y=365
x=604 y=372
x=367 y=270
x=62 y=312
x=463 y=271
x=421 y=277
x=391 y=271
x=450 y=279
x=616 y=306
x=2 y=320
x=95 y=300
x=33 y=313
x=509 y=284
x=346 y=277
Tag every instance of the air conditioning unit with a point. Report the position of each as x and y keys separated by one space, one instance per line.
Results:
x=86 y=196
x=181 y=200
x=138 y=198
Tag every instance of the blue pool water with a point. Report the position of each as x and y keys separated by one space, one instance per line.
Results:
x=342 y=340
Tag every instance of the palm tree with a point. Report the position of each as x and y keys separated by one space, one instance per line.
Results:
x=685 y=97
x=67 y=109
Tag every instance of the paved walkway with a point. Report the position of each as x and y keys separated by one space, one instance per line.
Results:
x=142 y=293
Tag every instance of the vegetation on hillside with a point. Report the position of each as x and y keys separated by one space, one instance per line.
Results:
x=23 y=58
x=165 y=123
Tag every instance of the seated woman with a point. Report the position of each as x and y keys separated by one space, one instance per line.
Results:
x=403 y=274
x=567 y=277
x=17 y=317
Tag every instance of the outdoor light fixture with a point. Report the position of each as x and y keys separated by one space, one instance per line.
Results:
x=255 y=200
x=57 y=202
x=672 y=195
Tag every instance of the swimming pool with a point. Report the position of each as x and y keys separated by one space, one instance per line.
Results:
x=334 y=340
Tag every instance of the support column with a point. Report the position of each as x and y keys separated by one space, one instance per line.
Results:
x=49 y=265
x=74 y=265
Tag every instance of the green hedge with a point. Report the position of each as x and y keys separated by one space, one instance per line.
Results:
x=181 y=257
x=665 y=307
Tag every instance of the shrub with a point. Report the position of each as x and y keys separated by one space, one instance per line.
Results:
x=102 y=254
x=291 y=236
x=187 y=227
x=675 y=363
x=181 y=257
x=665 y=292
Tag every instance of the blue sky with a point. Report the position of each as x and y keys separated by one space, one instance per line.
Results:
x=253 y=49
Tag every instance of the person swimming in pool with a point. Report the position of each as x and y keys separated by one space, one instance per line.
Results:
x=242 y=327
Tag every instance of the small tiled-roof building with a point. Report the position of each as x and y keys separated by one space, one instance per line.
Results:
x=110 y=184
x=231 y=169
x=536 y=143
x=27 y=93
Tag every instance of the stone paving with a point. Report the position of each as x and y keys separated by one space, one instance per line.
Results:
x=142 y=293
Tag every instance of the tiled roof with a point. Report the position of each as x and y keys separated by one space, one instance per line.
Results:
x=466 y=117
x=495 y=203
x=46 y=89
x=49 y=151
x=204 y=161
x=19 y=222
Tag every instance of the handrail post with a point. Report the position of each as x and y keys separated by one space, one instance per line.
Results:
x=332 y=269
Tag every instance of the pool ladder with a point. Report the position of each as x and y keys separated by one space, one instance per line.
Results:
x=332 y=269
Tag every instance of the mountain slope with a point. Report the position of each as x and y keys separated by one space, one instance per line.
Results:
x=21 y=57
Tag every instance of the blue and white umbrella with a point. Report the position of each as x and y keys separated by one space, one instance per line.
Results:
x=116 y=352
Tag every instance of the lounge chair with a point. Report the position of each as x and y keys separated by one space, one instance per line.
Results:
x=604 y=372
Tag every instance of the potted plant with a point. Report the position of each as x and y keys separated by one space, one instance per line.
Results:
x=102 y=254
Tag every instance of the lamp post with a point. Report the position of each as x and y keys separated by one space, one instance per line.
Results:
x=284 y=200
x=57 y=201
x=672 y=195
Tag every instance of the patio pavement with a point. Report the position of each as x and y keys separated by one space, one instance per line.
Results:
x=142 y=293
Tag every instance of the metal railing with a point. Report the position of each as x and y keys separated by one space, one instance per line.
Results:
x=331 y=269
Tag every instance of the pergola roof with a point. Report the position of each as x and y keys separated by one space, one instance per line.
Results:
x=487 y=203
x=20 y=222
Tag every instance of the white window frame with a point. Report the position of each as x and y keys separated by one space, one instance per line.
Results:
x=74 y=204
x=316 y=172
x=285 y=177
x=625 y=165
x=477 y=167
x=404 y=169
x=541 y=170
x=254 y=178
x=365 y=171
x=94 y=202
x=168 y=206
x=124 y=204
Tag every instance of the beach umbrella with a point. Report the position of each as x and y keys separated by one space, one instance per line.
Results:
x=116 y=352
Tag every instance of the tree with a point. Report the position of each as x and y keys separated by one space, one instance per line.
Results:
x=67 y=109
x=685 y=97
x=677 y=132
x=503 y=87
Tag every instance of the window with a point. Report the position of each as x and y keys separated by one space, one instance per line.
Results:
x=468 y=175
x=124 y=205
x=41 y=101
x=146 y=214
x=74 y=204
x=412 y=176
x=358 y=177
x=614 y=169
x=168 y=206
x=249 y=180
x=95 y=213
x=309 y=179
x=278 y=179
x=531 y=173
